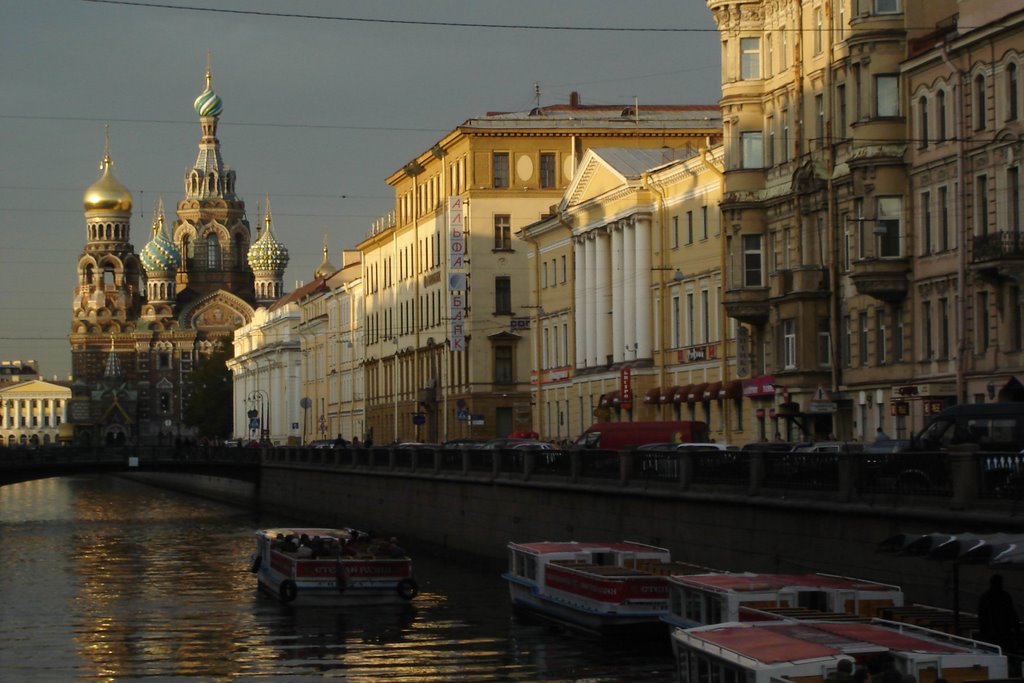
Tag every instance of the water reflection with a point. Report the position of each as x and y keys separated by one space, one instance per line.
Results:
x=105 y=579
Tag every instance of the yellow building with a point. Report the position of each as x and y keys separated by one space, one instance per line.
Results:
x=818 y=253
x=627 y=278
x=450 y=357
x=32 y=412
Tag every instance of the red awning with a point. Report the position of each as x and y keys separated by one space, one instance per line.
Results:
x=682 y=393
x=733 y=389
x=652 y=395
x=669 y=394
x=614 y=398
x=603 y=401
x=696 y=393
x=712 y=392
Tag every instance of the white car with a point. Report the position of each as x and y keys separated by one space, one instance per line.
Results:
x=713 y=446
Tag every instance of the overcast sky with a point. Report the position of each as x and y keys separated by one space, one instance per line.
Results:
x=317 y=111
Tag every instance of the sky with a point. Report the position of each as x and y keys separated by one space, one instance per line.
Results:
x=323 y=100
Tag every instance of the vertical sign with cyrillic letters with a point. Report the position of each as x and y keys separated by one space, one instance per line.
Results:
x=456 y=272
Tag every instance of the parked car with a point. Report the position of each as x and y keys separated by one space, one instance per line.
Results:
x=465 y=443
x=322 y=443
x=712 y=446
x=829 y=447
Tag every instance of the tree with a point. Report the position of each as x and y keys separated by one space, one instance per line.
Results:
x=208 y=408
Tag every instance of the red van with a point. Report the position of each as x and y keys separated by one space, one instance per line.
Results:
x=619 y=436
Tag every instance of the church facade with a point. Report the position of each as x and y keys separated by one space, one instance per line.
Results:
x=142 y=321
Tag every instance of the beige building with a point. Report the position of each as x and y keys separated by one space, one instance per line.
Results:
x=963 y=85
x=627 y=278
x=819 y=251
x=32 y=412
x=450 y=357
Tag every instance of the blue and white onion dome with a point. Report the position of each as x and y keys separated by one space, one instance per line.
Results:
x=267 y=254
x=160 y=255
x=208 y=103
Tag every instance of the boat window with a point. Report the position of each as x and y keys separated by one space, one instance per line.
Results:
x=693 y=607
x=676 y=601
x=530 y=567
x=714 y=610
x=602 y=559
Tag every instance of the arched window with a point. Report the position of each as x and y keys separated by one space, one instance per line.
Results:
x=922 y=113
x=212 y=252
x=1011 y=92
x=979 y=102
x=108 y=275
x=940 y=113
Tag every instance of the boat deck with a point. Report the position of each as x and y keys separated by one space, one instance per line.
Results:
x=640 y=568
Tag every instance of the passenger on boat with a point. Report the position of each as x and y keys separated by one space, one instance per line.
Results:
x=290 y=544
x=843 y=672
x=305 y=548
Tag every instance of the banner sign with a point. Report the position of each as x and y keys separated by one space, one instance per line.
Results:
x=457 y=277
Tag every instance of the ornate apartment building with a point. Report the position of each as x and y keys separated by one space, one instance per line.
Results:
x=425 y=375
x=818 y=209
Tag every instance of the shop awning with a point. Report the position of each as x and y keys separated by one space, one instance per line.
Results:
x=653 y=395
x=712 y=391
x=614 y=398
x=682 y=393
x=603 y=401
x=696 y=393
x=733 y=389
x=669 y=395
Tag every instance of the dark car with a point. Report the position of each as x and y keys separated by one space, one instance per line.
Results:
x=988 y=426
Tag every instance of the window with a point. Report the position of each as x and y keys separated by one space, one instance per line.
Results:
x=890 y=210
x=703 y=222
x=564 y=275
x=674 y=234
x=165 y=402
x=824 y=343
x=769 y=148
x=547 y=169
x=880 y=336
x=1012 y=92
x=922 y=115
x=750 y=58
x=502 y=294
x=503 y=232
x=862 y=338
x=943 y=328
x=769 y=55
x=500 y=169
x=887 y=95
x=675 y=322
x=752 y=149
x=1016 y=320
x=785 y=135
x=784 y=45
x=927 y=343
x=689 y=227
x=705 y=316
x=981 y=206
x=691 y=328
x=887 y=6
x=163 y=360
x=841 y=107
x=789 y=343
x=943 y=218
x=819 y=116
x=979 y=102
x=503 y=365
x=1013 y=188
x=897 y=335
x=212 y=252
x=926 y=223
x=940 y=114
x=982 y=322
x=752 y=261
x=819 y=29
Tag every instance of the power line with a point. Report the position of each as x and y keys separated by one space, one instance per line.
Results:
x=250 y=124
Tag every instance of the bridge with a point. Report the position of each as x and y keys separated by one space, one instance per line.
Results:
x=25 y=464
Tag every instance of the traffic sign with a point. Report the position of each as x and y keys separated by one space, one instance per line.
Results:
x=419 y=418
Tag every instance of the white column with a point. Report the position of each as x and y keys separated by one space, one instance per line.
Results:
x=580 y=312
x=618 y=323
x=604 y=296
x=628 y=280
x=643 y=304
x=590 y=301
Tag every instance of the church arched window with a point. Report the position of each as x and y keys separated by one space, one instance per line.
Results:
x=108 y=275
x=212 y=252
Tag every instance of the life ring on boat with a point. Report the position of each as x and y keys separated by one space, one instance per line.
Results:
x=256 y=562
x=288 y=591
x=407 y=589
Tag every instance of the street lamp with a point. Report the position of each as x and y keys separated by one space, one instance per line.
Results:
x=258 y=400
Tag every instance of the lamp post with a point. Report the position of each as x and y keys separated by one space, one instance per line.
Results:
x=258 y=399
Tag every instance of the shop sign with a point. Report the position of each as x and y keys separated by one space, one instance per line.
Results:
x=742 y=351
x=933 y=407
x=695 y=354
x=759 y=387
x=921 y=390
x=900 y=408
x=626 y=387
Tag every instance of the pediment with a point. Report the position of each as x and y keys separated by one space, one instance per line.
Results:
x=594 y=178
x=220 y=312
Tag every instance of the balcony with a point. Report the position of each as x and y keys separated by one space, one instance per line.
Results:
x=882 y=278
x=998 y=255
x=749 y=305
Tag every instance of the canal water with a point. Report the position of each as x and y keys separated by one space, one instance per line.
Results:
x=104 y=579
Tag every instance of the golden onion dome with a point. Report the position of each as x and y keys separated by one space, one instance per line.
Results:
x=107 y=193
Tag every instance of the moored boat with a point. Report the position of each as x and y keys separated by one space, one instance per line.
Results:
x=703 y=599
x=593 y=586
x=809 y=651
x=332 y=567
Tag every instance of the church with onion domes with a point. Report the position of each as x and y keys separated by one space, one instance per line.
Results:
x=141 y=322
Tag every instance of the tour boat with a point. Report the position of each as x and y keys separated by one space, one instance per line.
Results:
x=808 y=651
x=336 y=567
x=596 y=587
x=703 y=599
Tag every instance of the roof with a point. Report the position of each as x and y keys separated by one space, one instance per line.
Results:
x=318 y=284
x=562 y=547
x=784 y=641
x=632 y=162
x=747 y=582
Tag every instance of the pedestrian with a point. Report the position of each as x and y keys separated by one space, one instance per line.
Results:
x=997 y=617
x=880 y=435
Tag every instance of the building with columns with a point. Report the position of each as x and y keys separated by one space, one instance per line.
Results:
x=425 y=375
x=32 y=412
x=626 y=275
x=151 y=316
